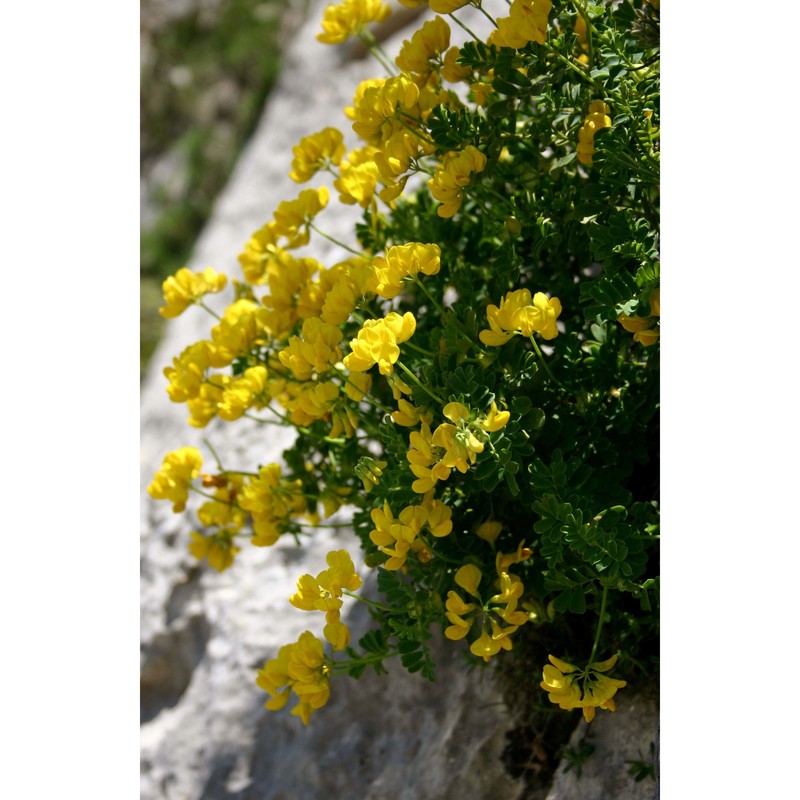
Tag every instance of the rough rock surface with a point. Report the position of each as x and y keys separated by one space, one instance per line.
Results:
x=205 y=734
x=618 y=738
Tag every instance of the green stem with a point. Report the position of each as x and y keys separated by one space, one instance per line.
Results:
x=366 y=396
x=428 y=295
x=464 y=27
x=599 y=625
x=544 y=363
x=486 y=14
x=413 y=130
x=204 y=306
x=373 y=45
x=323 y=525
x=216 y=499
x=372 y=603
x=239 y=472
x=420 y=349
x=417 y=381
x=266 y=421
x=442 y=311
x=572 y=66
x=344 y=666
x=214 y=454
x=335 y=241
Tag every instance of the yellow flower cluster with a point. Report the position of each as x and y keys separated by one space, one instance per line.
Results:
x=526 y=22
x=271 y=501
x=401 y=262
x=324 y=593
x=186 y=287
x=453 y=445
x=223 y=513
x=377 y=342
x=178 y=470
x=596 y=120
x=300 y=668
x=422 y=54
x=500 y=611
x=387 y=115
x=218 y=549
x=453 y=176
x=570 y=687
x=349 y=18
x=644 y=329
x=398 y=537
x=316 y=152
x=518 y=314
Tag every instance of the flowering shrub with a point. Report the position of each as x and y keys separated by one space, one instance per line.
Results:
x=477 y=378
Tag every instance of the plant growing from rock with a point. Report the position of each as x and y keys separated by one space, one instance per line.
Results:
x=477 y=378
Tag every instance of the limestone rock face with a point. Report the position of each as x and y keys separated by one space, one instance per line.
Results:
x=617 y=738
x=205 y=734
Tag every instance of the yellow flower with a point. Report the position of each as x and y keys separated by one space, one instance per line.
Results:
x=518 y=313
x=223 y=511
x=596 y=120
x=460 y=446
x=511 y=589
x=218 y=549
x=340 y=575
x=292 y=217
x=288 y=282
x=457 y=609
x=453 y=176
x=258 y=254
x=300 y=668
x=324 y=592
x=315 y=152
x=349 y=18
x=408 y=415
x=494 y=420
x=644 y=329
x=447 y=6
x=314 y=351
x=186 y=287
x=468 y=577
x=243 y=324
x=314 y=401
x=397 y=537
x=377 y=342
x=570 y=687
x=527 y=22
x=489 y=530
x=271 y=501
x=187 y=373
x=203 y=407
x=451 y=70
x=243 y=393
x=426 y=45
x=337 y=634
x=488 y=645
x=439 y=522
x=424 y=463
x=171 y=482
x=582 y=37
x=378 y=106
x=504 y=560
x=358 y=177
x=404 y=261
